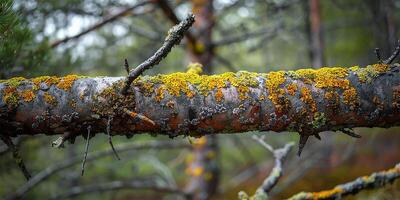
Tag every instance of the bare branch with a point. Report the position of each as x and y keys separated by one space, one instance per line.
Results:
x=63 y=164
x=18 y=160
x=100 y=24
x=86 y=150
x=246 y=36
x=145 y=184
x=170 y=14
x=375 y=180
x=272 y=179
x=108 y=130
x=395 y=53
x=175 y=35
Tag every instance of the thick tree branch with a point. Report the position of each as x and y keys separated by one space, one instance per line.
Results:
x=375 y=180
x=100 y=24
x=61 y=165
x=307 y=101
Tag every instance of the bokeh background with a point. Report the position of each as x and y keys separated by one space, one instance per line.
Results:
x=251 y=35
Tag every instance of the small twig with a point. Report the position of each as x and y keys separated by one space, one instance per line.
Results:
x=126 y=65
x=7 y=140
x=110 y=138
x=375 y=180
x=378 y=55
x=86 y=150
x=274 y=176
x=59 y=143
x=350 y=132
x=394 y=54
x=175 y=35
x=139 y=116
x=302 y=142
x=65 y=163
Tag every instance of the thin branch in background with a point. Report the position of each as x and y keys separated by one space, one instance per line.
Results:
x=86 y=150
x=378 y=55
x=145 y=184
x=59 y=142
x=225 y=62
x=126 y=66
x=175 y=35
x=246 y=36
x=350 y=132
x=276 y=173
x=64 y=164
x=100 y=24
x=395 y=53
x=17 y=141
x=375 y=180
x=17 y=157
x=108 y=130
x=274 y=176
x=170 y=14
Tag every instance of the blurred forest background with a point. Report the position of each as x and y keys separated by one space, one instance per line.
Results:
x=229 y=35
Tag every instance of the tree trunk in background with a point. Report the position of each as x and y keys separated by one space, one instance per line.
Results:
x=314 y=31
x=203 y=165
x=385 y=25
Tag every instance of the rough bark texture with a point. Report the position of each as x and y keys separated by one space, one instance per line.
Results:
x=307 y=101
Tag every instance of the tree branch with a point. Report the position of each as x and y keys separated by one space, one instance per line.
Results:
x=174 y=37
x=63 y=164
x=170 y=14
x=375 y=180
x=100 y=24
x=118 y=185
x=276 y=172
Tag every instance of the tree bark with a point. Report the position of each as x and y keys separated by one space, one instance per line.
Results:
x=307 y=101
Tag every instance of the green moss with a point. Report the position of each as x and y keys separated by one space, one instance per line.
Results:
x=319 y=120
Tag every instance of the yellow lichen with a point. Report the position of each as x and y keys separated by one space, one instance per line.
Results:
x=273 y=82
x=10 y=96
x=195 y=68
x=66 y=82
x=13 y=82
x=48 y=80
x=324 y=77
x=28 y=95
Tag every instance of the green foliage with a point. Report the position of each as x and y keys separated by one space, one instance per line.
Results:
x=18 y=49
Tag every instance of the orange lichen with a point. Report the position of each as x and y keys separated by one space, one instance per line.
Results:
x=306 y=97
x=27 y=95
x=48 y=80
x=326 y=193
x=219 y=96
x=350 y=97
x=291 y=89
x=159 y=93
x=66 y=82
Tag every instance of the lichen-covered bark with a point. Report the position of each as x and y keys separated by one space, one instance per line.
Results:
x=307 y=101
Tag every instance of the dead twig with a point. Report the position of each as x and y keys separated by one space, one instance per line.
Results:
x=18 y=160
x=86 y=149
x=175 y=35
x=273 y=178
